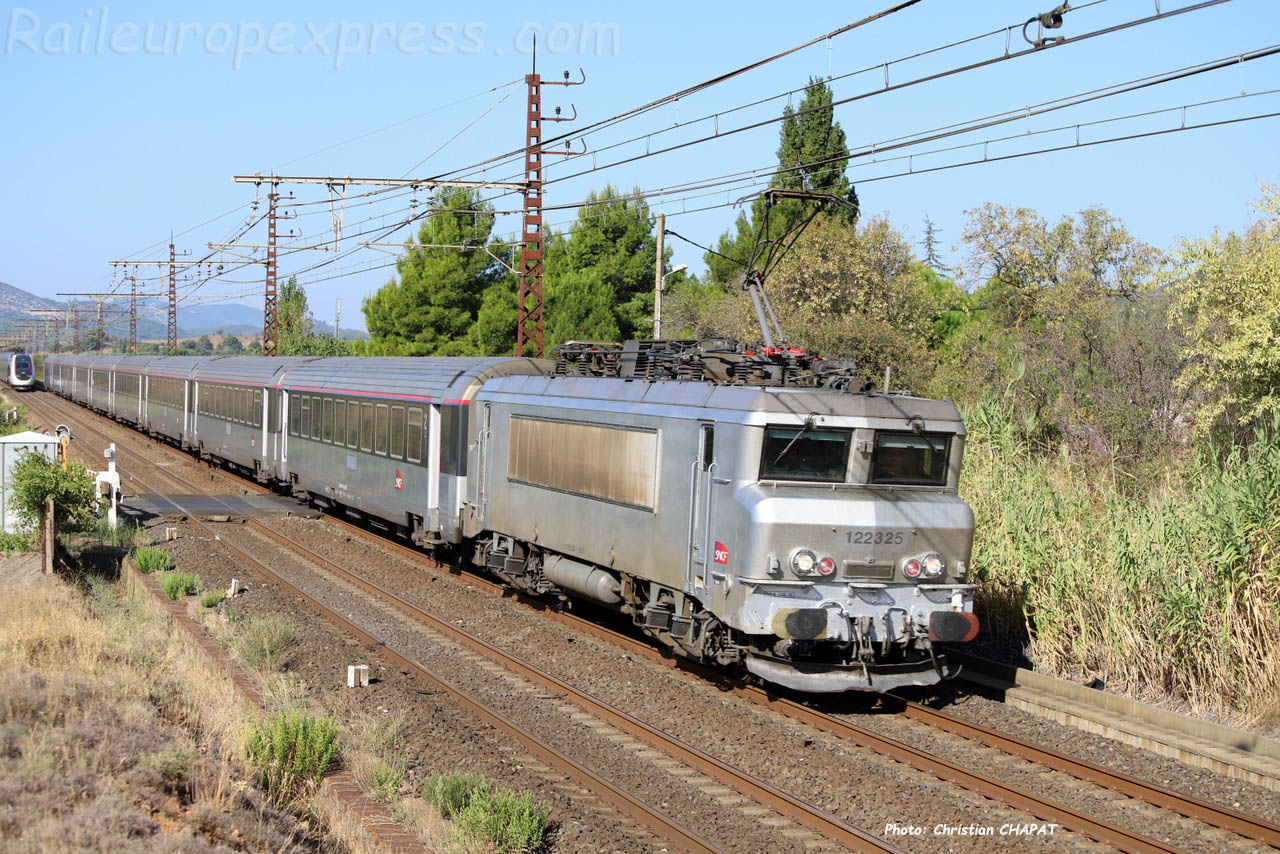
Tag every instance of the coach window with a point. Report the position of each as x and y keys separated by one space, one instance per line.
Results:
x=328 y=420
x=293 y=417
x=315 y=418
x=339 y=422
x=256 y=420
x=397 y=432
x=353 y=424
x=246 y=403
x=366 y=426
x=380 y=430
x=305 y=429
x=414 y=447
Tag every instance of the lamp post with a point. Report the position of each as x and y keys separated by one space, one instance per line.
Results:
x=657 y=298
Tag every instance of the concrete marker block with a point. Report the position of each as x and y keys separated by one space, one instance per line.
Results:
x=234 y=588
x=357 y=675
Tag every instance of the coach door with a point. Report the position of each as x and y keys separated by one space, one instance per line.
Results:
x=481 y=473
x=700 y=501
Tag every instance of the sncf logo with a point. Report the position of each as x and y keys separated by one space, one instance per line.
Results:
x=399 y=480
x=721 y=554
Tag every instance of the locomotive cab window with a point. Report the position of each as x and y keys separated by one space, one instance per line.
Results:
x=800 y=453
x=918 y=459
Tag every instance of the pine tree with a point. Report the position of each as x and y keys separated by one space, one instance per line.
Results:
x=930 y=244
x=432 y=307
x=812 y=155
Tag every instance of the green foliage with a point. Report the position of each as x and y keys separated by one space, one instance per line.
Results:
x=503 y=819
x=148 y=559
x=263 y=640
x=126 y=534
x=178 y=584
x=231 y=345
x=449 y=793
x=290 y=752
x=17 y=542
x=482 y=813
x=1066 y=324
x=387 y=780
x=599 y=277
x=1227 y=295
x=212 y=598
x=295 y=326
x=35 y=479
x=844 y=292
x=435 y=301
x=811 y=155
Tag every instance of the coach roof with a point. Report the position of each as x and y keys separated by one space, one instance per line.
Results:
x=407 y=377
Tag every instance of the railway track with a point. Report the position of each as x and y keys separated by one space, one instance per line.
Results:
x=828 y=826
x=1070 y=819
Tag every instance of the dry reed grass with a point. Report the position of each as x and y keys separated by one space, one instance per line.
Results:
x=1169 y=590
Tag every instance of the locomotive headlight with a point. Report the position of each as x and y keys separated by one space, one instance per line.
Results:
x=826 y=567
x=932 y=566
x=803 y=562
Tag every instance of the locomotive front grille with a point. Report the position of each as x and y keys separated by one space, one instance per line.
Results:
x=878 y=571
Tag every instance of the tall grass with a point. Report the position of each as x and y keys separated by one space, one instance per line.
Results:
x=493 y=817
x=262 y=642
x=150 y=559
x=291 y=751
x=1170 y=587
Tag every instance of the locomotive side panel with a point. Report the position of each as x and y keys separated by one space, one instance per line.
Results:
x=608 y=487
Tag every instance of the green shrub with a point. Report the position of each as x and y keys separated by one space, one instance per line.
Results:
x=290 y=752
x=387 y=780
x=180 y=584
x=503 y=819
x=150 y=559
x=263 y=640
x=496 y=817
x=212 y=599
x=21 y=541
x=34 y=479
x=449 y=793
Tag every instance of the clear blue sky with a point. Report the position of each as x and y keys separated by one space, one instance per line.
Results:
x=115 y=133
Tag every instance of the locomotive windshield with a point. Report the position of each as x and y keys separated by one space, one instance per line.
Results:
x=22 y=366
x=910 y=458
x=798 y=453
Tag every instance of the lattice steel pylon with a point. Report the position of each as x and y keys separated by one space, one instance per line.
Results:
x=270 y=297
x=529 y=299
x=171 y=341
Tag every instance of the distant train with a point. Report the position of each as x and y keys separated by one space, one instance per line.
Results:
x=763 y=512
x=22 y=372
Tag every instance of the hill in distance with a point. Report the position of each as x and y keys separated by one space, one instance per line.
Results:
x=231 y=318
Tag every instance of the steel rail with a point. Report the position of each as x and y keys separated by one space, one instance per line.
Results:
x=661 y=825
